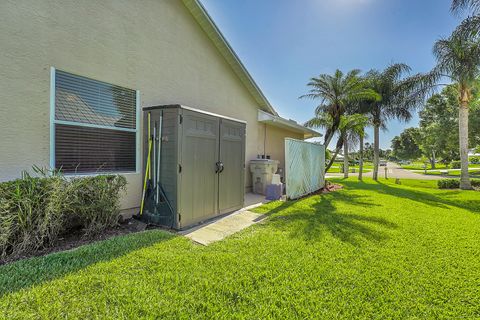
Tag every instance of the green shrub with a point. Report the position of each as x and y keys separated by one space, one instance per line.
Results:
x=475 y=183
x=34 y=211
x=29 y=220
x=95 y=202
x=475 y=160
x=455 y=165
x=448 y=184
x=455 y=183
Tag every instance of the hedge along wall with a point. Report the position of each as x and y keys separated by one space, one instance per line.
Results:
x=34 y=211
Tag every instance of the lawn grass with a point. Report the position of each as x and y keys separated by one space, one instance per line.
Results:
x=367 y=167
x=438 y=166
x=472 y=172
x=420 y=166
x=372 y=250
x=337 y=170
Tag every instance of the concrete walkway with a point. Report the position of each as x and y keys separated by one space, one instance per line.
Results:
x=218 y=229
x=222 y=228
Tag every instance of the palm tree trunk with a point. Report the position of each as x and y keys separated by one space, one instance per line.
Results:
x=360 y=165
x=328 y=138
x=376 y=151
x=463 y=136
x=337 y=150
x=345 y=158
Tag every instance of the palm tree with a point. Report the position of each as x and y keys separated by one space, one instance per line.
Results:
x=399 y=97
x=349 y=127
x=336 y=93
x=471 y=25
x=361 y=137
x=458 y=58
x=346 y=167
x=368 y=151
x=324 y=120
x=352 y=129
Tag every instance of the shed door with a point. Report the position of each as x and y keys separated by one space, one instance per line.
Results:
x=199 y=154
x=232 y=155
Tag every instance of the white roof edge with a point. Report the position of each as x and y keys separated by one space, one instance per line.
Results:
x=213 y=32
x=181 y=106
x=276 y=120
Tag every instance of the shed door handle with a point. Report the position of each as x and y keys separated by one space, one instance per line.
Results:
x=219 y=167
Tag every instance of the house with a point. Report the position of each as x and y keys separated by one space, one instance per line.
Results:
x=74 y=76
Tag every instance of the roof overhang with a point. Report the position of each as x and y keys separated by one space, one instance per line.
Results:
x=291 y=125
x=212 y=31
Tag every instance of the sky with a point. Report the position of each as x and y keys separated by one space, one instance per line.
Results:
x=283 y=43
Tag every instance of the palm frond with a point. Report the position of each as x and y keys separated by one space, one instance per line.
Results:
x=458 y=57
x=469 y=28
x=321 y=120
x=460 y=6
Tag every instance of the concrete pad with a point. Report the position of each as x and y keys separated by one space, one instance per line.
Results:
x=222 y=228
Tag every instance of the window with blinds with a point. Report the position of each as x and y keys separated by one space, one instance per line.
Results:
x=95 y=126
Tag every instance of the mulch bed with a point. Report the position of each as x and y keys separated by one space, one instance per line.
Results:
x=330 y=187
x=75 y=240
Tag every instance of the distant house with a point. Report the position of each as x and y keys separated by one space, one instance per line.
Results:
x=75 y=76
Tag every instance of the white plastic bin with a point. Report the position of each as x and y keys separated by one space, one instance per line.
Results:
x=262 y=171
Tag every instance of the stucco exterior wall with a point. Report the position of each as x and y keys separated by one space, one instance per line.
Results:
x=274 y=140
x=152 y=46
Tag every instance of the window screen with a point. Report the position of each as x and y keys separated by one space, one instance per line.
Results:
x=95 y=125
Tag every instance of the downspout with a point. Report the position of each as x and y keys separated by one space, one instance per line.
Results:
x=265 y=142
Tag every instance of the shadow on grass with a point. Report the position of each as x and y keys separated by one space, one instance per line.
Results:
x=29 y=272
x=313 y=218
x=437 y=200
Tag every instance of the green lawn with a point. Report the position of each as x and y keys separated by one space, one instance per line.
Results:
x=419 y=166
x=335 y=168
x=439 y=166
x=372 y=250
x=473 y=173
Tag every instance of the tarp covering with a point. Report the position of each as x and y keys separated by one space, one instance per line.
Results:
x=304 y=167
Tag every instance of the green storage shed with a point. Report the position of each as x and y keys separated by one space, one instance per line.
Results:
x=197 y=165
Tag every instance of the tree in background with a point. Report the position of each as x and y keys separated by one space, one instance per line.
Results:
x=368 y=151
x=339 y=96
x=349 y=129
x=399 y=96
x=405 y=146
x=458 y=58
x=361 y=137
x=352 y=128
x=439 y=125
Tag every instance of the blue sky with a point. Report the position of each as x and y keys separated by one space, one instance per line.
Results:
x=283 y=43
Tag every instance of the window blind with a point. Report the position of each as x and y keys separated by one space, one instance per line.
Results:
x=95 y=125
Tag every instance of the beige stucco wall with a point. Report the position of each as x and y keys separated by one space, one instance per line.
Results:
x=153 y=46
x=274 y=140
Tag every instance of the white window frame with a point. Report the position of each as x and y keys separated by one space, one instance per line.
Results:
x=53 y=122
